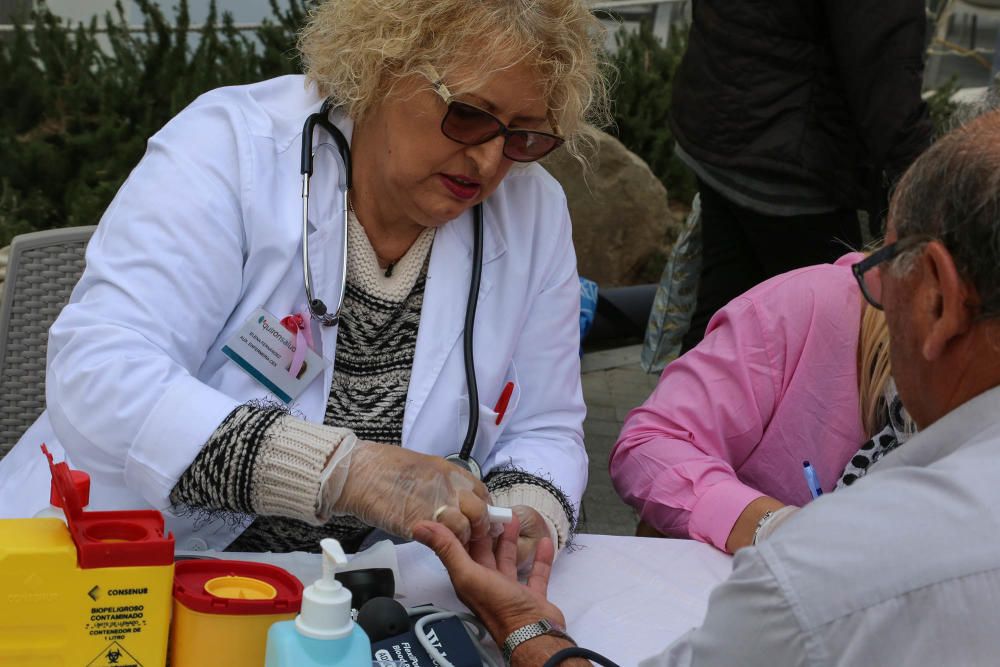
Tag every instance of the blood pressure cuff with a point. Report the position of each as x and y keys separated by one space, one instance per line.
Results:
x=447 y=635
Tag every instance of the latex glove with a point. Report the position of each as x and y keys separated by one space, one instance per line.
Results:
x=533 y=528
x=774 y=521
x=485 y=578
x=393 y=488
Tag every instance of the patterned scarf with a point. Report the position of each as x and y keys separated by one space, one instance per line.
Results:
x=898 y=429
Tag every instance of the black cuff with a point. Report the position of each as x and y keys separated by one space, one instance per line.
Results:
x=578 y=652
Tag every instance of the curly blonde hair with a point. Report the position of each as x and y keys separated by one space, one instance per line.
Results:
x=355 y=51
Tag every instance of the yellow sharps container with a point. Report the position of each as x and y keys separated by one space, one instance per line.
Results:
x=93 y=593
x=223 y=609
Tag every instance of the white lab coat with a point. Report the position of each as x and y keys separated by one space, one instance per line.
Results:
x=206 y=230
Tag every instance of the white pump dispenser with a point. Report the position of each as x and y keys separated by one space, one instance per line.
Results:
x=323 y=634
x=326 y=604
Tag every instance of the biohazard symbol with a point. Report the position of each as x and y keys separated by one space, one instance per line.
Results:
x=114 y=656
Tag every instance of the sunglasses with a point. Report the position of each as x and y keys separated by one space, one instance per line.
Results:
x=471 y=126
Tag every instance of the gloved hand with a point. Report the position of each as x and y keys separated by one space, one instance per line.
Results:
x=393 y=488
x=533 y=528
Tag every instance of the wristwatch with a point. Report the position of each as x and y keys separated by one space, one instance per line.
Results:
x=530 y=631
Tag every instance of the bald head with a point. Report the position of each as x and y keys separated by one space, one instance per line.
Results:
x=952 y=193
x=942 y=296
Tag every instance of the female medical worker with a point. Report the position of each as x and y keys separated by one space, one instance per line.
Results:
x=194 y=284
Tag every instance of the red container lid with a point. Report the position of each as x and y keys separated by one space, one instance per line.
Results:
x=126 y=538
x=81 y=482
x=234 y=587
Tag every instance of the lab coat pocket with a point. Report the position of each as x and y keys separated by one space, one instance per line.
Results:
x=493 y=416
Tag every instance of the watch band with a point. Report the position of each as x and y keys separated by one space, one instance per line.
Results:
x=530 y=631
x=760 y=524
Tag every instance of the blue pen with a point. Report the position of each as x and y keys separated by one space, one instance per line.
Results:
x=812 y=480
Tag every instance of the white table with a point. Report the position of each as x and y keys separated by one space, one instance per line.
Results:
x=624 y=597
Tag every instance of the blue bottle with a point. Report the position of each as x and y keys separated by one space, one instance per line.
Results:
x=323 y=634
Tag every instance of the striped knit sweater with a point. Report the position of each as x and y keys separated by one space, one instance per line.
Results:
x=263 y=461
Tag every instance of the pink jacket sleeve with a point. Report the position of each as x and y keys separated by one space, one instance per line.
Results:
x=677 y=455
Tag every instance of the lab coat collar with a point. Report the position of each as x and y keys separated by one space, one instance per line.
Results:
x=461 y=229
x=287 y=116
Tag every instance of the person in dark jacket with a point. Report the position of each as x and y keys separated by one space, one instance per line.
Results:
x=794 y=114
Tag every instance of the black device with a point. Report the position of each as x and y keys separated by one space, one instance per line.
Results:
x=368 y=584
x=383 y=617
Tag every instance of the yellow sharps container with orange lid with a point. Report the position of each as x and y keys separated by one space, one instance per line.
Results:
x=94 y=592
x=223 y=610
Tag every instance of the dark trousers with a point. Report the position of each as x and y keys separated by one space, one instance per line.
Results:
x=741 y=248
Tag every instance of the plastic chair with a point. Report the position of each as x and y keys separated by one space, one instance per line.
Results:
x=43 y=269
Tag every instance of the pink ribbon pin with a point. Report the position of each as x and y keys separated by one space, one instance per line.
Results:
x=298 y=324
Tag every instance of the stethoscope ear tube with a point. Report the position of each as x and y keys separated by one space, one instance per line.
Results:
x=470 y=322
x=322 y=119
x=319 y=310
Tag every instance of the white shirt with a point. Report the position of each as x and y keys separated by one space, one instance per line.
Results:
x=901 y=568
x=207 y=229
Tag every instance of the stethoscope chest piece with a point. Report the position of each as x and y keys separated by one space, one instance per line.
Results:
x=466 y=464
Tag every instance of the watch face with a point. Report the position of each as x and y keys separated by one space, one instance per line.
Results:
x=552 y=627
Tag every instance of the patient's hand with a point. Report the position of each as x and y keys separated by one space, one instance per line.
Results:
x=485 y=578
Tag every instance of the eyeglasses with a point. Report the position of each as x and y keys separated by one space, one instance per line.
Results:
x=470 y=125
x=868 y=273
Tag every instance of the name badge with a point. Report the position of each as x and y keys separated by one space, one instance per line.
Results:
x=265 y=349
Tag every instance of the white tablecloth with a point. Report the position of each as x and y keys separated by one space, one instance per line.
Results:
x=624 y=597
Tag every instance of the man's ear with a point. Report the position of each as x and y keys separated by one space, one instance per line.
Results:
x=947 y=300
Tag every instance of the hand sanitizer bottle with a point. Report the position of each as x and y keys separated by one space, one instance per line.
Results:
x=323 y=634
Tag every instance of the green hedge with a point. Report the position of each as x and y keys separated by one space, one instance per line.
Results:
x=76 y=117
x=644 y=75
x=80 y=104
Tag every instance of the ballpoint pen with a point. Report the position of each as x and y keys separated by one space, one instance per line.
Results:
x=812 y=480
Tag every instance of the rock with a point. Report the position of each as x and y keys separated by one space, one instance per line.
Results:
x=621 y=221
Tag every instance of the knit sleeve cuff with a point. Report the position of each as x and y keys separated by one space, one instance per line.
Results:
x=291 y=468
x=510 y=488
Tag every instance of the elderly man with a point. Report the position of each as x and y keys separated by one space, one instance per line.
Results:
x=902 y=568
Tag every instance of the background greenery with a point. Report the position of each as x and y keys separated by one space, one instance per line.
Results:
x=76 y=116
x=644 y=79
x=79 y=103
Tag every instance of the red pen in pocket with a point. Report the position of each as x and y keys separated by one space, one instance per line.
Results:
x=501 y=406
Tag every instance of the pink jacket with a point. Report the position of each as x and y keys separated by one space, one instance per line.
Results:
x=773 y=383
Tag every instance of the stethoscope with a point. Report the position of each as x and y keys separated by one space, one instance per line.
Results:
x=319 y=311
